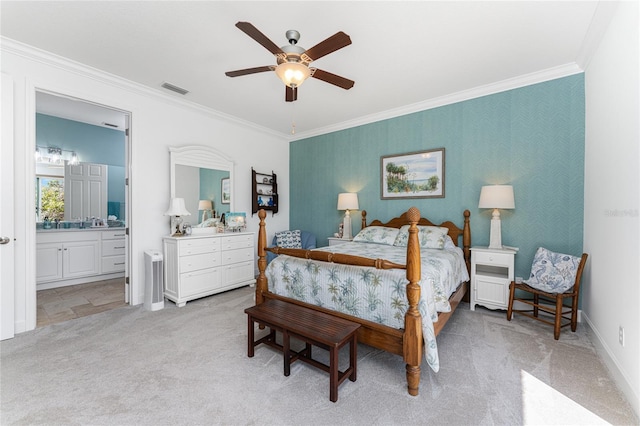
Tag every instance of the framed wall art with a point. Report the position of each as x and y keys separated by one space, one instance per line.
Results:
x=412 y=175
x=226 y=191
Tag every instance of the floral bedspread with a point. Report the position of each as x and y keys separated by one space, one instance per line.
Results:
x=374 y=294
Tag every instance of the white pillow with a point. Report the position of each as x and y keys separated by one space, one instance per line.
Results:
x=428 y=236
x=377 y=235
x=289 y=239
x=553 y=272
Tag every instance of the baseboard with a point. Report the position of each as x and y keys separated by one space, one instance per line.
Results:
x=610 y=361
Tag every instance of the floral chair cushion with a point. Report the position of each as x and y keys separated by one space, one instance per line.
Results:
x=553 y=272
x=289 y=239
x=429 y=236
x=377 y=235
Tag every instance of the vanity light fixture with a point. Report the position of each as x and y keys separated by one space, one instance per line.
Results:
x=177 y=209
x=496 y=197
x=347 y=201
x=55 y=156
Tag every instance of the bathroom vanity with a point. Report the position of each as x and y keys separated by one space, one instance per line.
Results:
x=77 y=256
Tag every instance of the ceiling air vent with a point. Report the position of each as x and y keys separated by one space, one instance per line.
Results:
x=104 y=123
x=174 y=88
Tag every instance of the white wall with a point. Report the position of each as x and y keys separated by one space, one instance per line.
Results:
x=611 y=292
x=158 y=122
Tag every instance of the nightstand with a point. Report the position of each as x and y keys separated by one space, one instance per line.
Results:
x=333 y=241
x=491 y=273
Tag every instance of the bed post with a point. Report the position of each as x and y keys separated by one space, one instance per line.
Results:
x=466 y=240
x=261 y=282
x=363 y=224
x=412 y=339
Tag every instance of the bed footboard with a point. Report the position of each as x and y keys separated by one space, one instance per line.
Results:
x=412 y=341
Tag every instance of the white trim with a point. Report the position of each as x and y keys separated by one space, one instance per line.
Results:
x=465 y=95
x=616 y=370
x=50 y=59
x=605 y=10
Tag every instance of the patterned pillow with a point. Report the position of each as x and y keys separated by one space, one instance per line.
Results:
x=428 y=236
x=378 y=235
x=289 y=239
x=553 y=272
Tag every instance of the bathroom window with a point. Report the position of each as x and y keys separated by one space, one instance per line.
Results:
x=50 y=198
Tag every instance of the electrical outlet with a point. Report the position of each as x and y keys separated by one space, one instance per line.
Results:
x=621 y=335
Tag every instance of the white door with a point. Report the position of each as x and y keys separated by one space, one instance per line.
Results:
x=7 y=302
x=85 y=192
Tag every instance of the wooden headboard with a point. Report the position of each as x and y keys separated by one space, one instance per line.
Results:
x=454 y=231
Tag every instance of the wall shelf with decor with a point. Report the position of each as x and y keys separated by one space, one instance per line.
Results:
x=264 y=192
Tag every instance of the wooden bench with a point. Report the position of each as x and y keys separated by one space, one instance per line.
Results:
x=313 y=328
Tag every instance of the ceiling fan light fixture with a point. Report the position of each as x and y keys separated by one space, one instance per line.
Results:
x=292 y=74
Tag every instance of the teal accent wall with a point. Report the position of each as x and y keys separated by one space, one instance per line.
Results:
x=532 y=138
x=211 y=189
x=92 y=144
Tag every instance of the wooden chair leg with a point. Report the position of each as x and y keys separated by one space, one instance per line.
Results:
x=558 y=322
x=536 y=300
x=512 y=291
x=574 y=313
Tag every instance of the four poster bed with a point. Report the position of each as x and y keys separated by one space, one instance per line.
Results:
x=400 y=280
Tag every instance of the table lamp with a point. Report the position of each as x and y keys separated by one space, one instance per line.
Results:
x=496 y=197
x=206 y=206
x=347 y=201
x=177 y=209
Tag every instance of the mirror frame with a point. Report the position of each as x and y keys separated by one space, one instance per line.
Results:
x=204 y=157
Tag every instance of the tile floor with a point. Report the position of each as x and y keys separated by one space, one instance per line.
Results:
x=64 y=303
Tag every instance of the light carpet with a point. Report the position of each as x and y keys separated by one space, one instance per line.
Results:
x=189 y=366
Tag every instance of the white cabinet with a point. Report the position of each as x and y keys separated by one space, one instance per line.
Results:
x=68 y=257
x=491 y=272
x=61 y=256
x=202 y=265
x=113 y=251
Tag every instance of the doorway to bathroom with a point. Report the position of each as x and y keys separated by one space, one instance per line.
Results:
x=82 y=208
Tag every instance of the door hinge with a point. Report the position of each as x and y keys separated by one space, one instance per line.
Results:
x=126 y=280
x=126 y=132
x=126 y=181
x=126 y=231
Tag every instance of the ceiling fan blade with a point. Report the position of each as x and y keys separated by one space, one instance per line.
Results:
x=330 y=78
x=290 y=94
x=333 y=43
x=238 y=73
x=255 y=34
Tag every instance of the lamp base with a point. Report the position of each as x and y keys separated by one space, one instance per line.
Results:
x=346 y=226
x=495 y=238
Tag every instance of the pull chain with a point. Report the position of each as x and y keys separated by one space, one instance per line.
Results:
x=293 y=120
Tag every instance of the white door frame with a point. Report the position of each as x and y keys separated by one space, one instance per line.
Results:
x=30 y=290
x=7 y=232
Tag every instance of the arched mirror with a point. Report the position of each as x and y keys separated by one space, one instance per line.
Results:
x=200 y=173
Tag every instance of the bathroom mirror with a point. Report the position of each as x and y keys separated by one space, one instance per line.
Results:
x=196 y=174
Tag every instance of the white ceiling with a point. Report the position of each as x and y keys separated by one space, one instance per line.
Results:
x=405 y=55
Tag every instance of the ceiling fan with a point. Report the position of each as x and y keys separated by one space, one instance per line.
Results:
x=293 y=61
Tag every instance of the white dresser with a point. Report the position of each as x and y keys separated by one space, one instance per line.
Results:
x=200 y=265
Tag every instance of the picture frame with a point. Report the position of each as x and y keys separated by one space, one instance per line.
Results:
x=417 y=174
x=226 y=191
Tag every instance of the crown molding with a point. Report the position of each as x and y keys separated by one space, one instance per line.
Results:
x=465 y=95
x=50 y=59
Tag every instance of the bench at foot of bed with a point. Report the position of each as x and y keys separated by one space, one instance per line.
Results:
x=313 y=328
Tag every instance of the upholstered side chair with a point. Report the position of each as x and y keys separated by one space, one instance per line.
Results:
x=554 y=278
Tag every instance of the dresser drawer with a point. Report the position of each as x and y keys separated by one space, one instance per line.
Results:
x=502 y=259
x=238 y=272
x=193 y=283
x=113 y=248
x=237 y=242
x=112 y=264
x=199 y=246
x=235 y=256
x=113 y=235
x=199 y=261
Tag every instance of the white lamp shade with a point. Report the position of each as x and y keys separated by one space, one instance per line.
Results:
x=348 y=201
x=205 y=205
x=497 y=197
x=177 y=208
